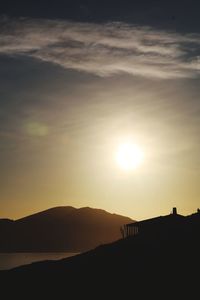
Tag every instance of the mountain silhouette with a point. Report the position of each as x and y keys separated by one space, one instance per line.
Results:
x=60 y=229
x=160 y=264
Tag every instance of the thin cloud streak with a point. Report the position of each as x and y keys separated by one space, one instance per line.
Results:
x=103 y=49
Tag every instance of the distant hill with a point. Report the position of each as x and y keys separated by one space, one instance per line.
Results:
x=60 y=229
x=151 y=263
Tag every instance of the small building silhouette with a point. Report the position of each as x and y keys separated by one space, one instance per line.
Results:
x=174 y=211
x=168 y=224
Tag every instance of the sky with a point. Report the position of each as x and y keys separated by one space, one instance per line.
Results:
x=80 y=78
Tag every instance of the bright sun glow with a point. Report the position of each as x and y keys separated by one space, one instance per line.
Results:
x=129 y=156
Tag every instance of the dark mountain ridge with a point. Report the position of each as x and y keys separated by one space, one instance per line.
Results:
x=60 y=229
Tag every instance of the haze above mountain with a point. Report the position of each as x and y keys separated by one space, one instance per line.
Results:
x=61 y=229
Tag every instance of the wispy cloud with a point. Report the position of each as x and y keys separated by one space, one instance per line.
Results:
x=103 y=49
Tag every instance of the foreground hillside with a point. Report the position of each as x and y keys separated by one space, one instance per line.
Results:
x=165 y=264
x=60 y=229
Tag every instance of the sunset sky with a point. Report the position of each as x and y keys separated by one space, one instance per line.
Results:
x=77 y=81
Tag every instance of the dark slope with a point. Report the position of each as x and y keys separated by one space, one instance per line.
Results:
x=6 y=226
x=61 y=229
x=165 y=263
x=5 y=222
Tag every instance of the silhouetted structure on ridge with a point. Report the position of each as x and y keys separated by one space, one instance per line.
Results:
x=168 y=224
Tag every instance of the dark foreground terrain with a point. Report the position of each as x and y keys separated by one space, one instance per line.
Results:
x=162 y=264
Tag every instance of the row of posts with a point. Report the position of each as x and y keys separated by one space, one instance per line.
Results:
x=128 y=230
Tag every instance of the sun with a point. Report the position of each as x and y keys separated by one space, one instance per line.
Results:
x=129 y=156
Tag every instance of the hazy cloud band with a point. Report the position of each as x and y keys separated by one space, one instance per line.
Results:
x=103 y=49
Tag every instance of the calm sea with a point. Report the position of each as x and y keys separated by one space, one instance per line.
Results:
x=12 y=260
